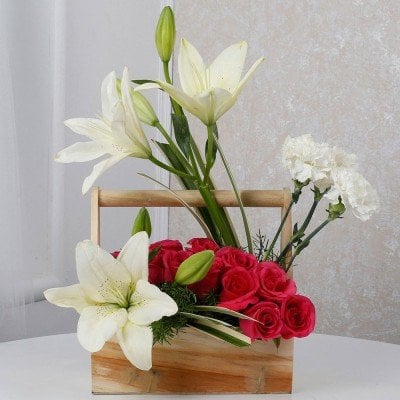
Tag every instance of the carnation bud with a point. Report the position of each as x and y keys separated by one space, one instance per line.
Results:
x=165 y=34
x=336 y=210
x=142 y=222
x=194 y=268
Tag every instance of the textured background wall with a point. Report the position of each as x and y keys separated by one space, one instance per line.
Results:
x=332 y=69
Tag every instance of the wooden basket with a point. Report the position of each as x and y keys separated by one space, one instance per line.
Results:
x=194 y=362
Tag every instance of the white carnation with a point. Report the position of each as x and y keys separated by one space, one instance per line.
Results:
x=355 y=191
x=306 y=159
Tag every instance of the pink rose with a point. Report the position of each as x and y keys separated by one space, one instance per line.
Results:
x=274 y=284
x=270 y=323
x=234 y=257
x=171 y=262
x=156 y=265
x=298 y=314
x=210 y=282
x=239 y=287
x=200 y=244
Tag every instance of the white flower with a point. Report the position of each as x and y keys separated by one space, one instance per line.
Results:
x=208 y=92
x=115 y=297
x=306 y=159
x=355 y=191
x=117 y=134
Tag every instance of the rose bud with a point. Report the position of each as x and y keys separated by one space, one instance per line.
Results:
x=269 y=323
x=298 y=314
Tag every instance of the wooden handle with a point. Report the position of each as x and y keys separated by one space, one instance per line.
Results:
x=162 y=198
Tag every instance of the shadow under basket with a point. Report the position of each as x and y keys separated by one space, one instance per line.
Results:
x=197 y=363
x=194 y=363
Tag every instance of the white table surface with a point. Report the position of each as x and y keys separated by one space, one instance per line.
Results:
x=326 y=368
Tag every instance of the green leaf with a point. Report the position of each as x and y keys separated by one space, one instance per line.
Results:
x=194 y=268
x=182 y=132
x=142 y=222
x=153 y=253
x=214 y=152
x=277 y=342
x=222 y=332
x=142 y=81
x=204 y=318
x=223 y=310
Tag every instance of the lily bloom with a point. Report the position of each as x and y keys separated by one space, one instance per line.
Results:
x=115 y=297
x=117 y=133
x=208 y=92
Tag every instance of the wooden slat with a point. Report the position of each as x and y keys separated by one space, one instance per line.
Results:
x=197 y=363
x=162 y=198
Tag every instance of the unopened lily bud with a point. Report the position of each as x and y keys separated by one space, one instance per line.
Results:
x=143 y=108
x=142 y=222
x=194 y=268
x=165 y=34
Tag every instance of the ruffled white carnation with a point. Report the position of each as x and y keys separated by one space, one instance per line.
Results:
x=306 y=159
x=355 y=192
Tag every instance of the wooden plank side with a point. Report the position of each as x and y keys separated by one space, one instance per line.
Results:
x=196 y=363
x=162 y=198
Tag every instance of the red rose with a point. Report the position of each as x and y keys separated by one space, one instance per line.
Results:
x=200 y=244
x=239 y=287
x=274 y=285
x=270 y=323
x=115 y=253
x=233 y=257
x=171 y=262
x=156 y=265
x=298 y=314
x=210 y=282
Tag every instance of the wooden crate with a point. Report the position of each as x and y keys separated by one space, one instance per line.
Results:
x=194 y=362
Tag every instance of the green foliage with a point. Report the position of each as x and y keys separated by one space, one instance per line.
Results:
x=167 y=327
x=260 y=243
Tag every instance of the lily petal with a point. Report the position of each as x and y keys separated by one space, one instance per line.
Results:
x=112 y=108
x=135 y=256
x=132 y=124
x=227 y=68
x=192 y=71
x=99 y=169
x=247 y=76
x=80 y=152
x=97 y=324
x=69 y=296
x=214 y=103
x=92 y=128
x=149 y=304
x=103 y=278
x=136 y=342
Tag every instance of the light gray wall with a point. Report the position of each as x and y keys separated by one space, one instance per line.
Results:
x=332 y=69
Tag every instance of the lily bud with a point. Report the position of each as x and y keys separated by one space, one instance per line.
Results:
x=144 y=110
x=142 y=222
x=165 y=34
x=194 y=268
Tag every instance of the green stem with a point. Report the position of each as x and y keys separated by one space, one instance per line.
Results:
x=216 y=213
x=237 y=194
x=169 y=168
x=176 y=107
x=209 y=156
x=272 y=245
x=306 y=241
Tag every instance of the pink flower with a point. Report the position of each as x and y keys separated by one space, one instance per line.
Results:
x=270 y=323
x=171 y=261
x=200 y=244
x=274 y=284
x=298 y=314
x=233 y=257
x=115 y=253
x=239 y=287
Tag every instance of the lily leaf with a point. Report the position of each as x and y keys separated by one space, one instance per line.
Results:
x=214 y=152
x=182 y=132
x=142 y=81
x=223 y=310
x=222 y=332
x=204 y=318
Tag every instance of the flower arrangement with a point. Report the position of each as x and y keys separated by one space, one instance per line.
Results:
x=147 y=293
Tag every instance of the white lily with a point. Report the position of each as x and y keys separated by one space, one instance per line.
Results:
x=208 y=92
x=117 y=133
x=115 y=297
